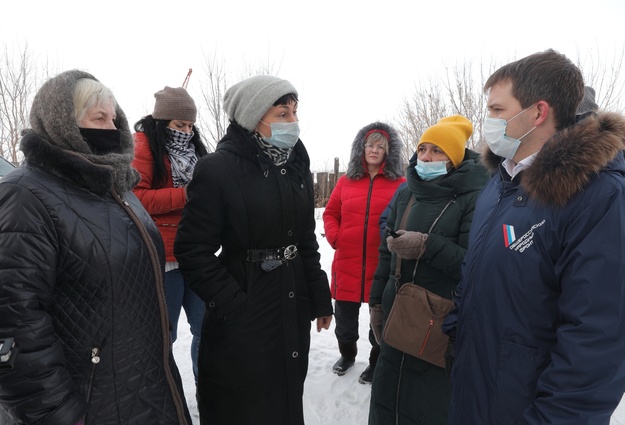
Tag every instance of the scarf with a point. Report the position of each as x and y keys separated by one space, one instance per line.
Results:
x=278 y=156
x=182 y=156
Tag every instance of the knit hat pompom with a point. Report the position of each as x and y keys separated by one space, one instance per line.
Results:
x=247 y=101
x=451 y=135
x=174 y=104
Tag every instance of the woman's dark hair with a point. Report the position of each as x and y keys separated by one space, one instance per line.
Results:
x=156 y=132
x=286 y=99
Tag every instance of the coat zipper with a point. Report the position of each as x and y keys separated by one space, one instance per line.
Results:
x=401 y=369
x=427 y=336
x=156 y=268
x=364 y=243
x=478 y=249
x=95 y=359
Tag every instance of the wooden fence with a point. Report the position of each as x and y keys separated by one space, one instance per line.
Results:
x=324 y=183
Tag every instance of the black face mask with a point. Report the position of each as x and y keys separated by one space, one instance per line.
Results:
x=102 y=141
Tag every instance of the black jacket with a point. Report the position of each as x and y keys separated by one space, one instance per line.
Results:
x=81 y=286
x=256 y=333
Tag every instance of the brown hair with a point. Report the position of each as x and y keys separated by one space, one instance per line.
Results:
x=548 y=76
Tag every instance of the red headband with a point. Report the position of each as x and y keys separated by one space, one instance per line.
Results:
x=377 y=130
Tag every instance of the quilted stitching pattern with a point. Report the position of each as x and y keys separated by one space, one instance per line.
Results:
x=106 y=297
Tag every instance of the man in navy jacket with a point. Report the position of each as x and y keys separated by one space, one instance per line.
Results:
x=540 y=320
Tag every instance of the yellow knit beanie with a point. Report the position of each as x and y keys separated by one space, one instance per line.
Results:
x=451 y=135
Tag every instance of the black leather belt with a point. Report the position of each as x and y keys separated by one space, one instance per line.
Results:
x=273 y=257
x=283 y=254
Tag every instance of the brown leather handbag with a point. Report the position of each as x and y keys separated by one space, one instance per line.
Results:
x=414 y=322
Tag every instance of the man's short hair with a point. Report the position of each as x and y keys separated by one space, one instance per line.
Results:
x=548 y=76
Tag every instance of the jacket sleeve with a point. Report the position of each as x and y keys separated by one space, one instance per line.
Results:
x=384 y=216
x=451 y=320
x=198 y=239
x=445 y=254
x=155 y=201
x=585 y=377
x=38 y=389
x=382 y=273
x=332 y=214
x=318 y=286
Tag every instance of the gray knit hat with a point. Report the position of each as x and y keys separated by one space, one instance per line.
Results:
x=174 y=104
x=247 y=101
x=588 y=102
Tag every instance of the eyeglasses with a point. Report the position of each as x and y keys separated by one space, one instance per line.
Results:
x=372 y=147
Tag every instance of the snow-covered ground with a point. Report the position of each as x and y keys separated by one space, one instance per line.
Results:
x=328 y=398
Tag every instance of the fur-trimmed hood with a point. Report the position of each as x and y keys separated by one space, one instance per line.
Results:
x=568 y=160
x=392 y=166
x=54 y=141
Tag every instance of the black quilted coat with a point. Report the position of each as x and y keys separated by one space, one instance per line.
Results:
x=81 y=292
x=256 y=333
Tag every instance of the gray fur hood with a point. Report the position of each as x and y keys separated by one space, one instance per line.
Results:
x=392 y=166
x=53 y=122
x=568 y=161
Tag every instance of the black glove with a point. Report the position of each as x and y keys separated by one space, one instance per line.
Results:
x=450 y=355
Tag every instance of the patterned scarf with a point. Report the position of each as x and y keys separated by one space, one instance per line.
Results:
x=182 y=156
x=279 y=156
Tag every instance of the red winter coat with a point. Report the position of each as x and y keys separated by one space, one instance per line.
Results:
x=164 y=205
x=351 y=216
x=351 y=226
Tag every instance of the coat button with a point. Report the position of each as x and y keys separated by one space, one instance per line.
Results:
x=519 y=198
x=291 y=294
x=211 y=304
x=290 y=233
x=283 y=171
x=295 y=354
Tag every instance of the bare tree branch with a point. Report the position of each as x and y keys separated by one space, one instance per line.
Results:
x=19 y=81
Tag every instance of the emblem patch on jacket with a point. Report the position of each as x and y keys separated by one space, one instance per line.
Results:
x=522 y=243
x=508 y=235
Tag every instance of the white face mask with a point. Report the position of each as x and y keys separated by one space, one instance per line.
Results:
x=283 y=134
x=495 y=135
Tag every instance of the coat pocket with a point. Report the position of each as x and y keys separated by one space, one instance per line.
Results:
x=518 y=369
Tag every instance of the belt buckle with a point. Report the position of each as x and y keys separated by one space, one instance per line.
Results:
x=290 y=252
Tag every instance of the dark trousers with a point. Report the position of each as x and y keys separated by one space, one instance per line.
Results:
x=346 y=323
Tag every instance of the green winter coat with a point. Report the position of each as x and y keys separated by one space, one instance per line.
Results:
x=406 y=387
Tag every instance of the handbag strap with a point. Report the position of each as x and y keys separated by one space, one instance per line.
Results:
x=402 y=226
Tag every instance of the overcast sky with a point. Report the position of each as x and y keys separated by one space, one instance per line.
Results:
x=352 y=61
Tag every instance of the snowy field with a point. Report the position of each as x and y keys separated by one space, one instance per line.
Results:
x=328 y=398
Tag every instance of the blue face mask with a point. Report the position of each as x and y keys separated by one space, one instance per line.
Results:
x=431 y=170
x=284 y=135
x=498 y=141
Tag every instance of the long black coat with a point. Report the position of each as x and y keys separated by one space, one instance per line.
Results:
x=81 y=291
x=256 y=333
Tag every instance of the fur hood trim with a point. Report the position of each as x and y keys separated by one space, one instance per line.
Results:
x=567 y=162
x=391 y=167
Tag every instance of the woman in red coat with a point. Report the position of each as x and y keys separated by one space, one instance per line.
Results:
x=351 y=227
x=167 y=147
